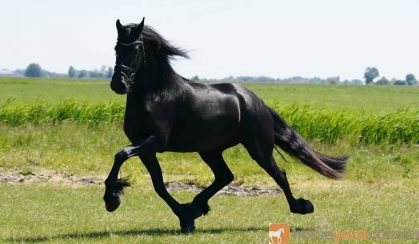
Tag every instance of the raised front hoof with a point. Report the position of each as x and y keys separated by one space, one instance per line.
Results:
x=187 y=228
x=112 y=203
x=113 y=191
x=302 y=206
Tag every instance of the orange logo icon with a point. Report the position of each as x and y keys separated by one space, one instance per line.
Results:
x=279 y=233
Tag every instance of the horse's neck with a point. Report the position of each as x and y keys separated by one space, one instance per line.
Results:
x=156 y=76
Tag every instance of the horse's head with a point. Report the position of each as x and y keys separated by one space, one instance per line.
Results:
x=130 y=56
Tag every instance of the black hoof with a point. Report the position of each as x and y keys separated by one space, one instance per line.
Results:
x=302 y=206
x=112 y=203
x=309 y=208
x=189 y=212
x=113 y=192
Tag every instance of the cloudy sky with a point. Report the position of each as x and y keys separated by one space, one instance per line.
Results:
x=275 y=38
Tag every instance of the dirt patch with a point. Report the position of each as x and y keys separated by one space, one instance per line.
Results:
x=234 y=190
x=45 y=177
x=51 y=177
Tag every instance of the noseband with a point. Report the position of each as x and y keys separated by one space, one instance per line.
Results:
x=129 y=80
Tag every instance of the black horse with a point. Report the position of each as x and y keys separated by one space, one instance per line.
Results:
x=166 y=112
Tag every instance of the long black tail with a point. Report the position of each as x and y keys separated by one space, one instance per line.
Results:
x=294 y=144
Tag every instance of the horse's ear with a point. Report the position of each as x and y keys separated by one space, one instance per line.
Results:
x=137 y=31
x=118 y=25
x=141 y=25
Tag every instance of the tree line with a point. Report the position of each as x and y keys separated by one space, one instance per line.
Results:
x=35 y=70
x=371 y=73
x=370 y=76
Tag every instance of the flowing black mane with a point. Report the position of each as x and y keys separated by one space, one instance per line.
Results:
x=161 y=45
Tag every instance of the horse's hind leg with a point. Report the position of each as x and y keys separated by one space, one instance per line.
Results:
x=222 y=174
x=267 y=162
x=223 y=177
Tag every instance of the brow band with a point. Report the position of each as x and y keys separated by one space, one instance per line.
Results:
x=129 y=44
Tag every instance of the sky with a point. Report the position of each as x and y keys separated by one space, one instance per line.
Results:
x=277 y=38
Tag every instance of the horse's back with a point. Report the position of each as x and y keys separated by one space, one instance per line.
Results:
x=207 y=117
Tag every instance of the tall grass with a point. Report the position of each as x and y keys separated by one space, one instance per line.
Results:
x=68 y=110
x=325 y=125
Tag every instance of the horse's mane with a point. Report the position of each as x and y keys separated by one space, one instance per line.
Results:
x=161 y=44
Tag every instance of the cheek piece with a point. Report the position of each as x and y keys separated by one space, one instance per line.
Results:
x=127 y=72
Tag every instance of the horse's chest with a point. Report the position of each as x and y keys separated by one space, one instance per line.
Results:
x=136 y=124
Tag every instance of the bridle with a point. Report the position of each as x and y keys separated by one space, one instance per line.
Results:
x=129 y=80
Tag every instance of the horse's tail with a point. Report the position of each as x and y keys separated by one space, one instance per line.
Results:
x=292 y=143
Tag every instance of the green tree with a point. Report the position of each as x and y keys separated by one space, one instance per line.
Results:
x=411 y=80
x=370 y=74
x=83 y=74
x=71 y=72
x=33 y=70
x=400 y=83
x=383 y=81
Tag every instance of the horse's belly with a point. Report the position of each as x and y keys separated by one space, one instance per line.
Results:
x=193 y=137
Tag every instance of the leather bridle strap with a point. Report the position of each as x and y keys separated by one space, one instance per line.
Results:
x=135 y=43
x=129 y=44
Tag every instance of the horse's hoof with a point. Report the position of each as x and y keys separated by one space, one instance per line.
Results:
x=309 y=208
x=302 y=206
x=112 y=204
x=188 y=227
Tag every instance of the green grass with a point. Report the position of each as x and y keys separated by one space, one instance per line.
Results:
x=75 y=127
x=67 y=214
x=83 y=150
x=55 y=90
x=325 y=124
x=343 y=112
x=363 y=99
x=377 y=99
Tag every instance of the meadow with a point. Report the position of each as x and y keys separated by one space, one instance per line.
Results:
x=74 y=127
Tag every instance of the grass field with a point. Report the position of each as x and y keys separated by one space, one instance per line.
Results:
x=378 y=193
x=67 y=214
x=378 y=99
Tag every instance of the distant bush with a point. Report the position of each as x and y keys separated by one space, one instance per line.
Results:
x=33 y=70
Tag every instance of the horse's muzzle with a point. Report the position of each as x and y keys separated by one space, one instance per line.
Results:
x=122 y=79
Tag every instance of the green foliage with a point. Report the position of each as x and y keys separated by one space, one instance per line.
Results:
x=33 y=70
x=41 y=113
x=383 y=81
x=411 y=80
x=329 y=126
x=71 y=72
x=104 y=72
x=399 y=83
x=370 y=74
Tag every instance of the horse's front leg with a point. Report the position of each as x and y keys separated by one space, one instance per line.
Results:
x=114 y=186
